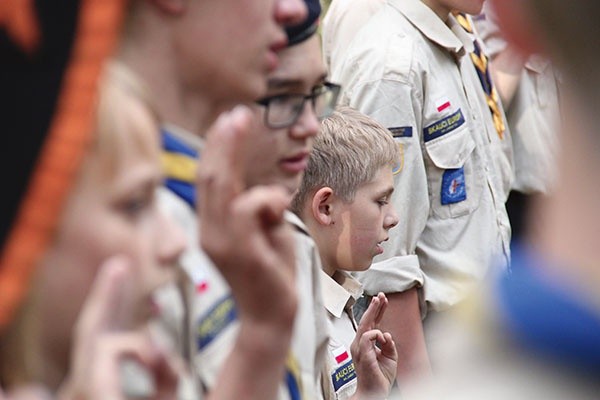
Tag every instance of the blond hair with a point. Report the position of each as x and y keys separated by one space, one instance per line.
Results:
x=121 y=92
x=348 y=152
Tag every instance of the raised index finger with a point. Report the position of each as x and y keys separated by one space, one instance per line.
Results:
x=222 y=166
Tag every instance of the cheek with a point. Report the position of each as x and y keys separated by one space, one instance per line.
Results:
x=365 y=231
x=67 y=276
x=356 y=242
x=264 y=159
x=362 y=242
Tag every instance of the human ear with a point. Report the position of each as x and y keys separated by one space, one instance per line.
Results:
x=321 y=206
x=173 y=7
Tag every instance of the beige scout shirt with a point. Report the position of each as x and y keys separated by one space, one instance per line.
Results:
x=412 y=73
x=533 y=115
x=340 y=292
x=340 y=24
x=214 y=324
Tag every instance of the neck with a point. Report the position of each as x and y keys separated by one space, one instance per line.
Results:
x=329 y=270
x=28 y=392
x=176 y=101
x=441 y=11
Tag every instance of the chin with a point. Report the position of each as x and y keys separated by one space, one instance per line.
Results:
x=475 y=7
x=290 y=184
x=363 y=267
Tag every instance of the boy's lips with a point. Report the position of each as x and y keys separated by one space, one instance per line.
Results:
x=296 y=163
x=379 y=245
x=272 y=54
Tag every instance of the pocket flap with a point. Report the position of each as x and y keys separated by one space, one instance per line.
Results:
x=451 y=150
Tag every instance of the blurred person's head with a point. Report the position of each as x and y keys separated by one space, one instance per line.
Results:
x=565 y=225
x=217 y=52
x=111 y=209
x=564 y=30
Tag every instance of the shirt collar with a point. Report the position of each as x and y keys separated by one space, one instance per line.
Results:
x=187 y=137
x=432 y=27
x=296 y=222
x=340 y=291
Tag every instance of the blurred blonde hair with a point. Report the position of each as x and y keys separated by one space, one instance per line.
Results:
x=348 y=152
x=121 y=94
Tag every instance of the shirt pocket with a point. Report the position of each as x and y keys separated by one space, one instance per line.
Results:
x=454 y=174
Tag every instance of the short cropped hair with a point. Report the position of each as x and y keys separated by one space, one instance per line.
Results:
x=347 y=153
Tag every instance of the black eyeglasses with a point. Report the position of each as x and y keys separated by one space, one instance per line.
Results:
x=284 y=110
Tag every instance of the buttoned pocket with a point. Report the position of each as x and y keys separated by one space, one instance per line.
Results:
x=454 y=173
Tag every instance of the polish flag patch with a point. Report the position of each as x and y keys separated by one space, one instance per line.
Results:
x=442 y=104
x=340 y=354
x=201 y=287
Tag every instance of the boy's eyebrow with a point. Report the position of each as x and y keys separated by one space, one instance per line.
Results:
x=385 y=192
x=277 y=83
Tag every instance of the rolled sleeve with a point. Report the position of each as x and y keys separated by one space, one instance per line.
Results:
x=393 y=275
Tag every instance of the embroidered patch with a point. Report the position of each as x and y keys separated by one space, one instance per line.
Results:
x=340 y=355
x=401 y=131
x=443 y=126
x=400 y=164
x=442 y=104
x=343 y=375
x=215 y=321
x=454 y=189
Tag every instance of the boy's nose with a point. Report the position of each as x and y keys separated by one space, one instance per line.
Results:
x=307 y=125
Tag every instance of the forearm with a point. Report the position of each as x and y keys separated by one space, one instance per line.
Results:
x=506 y=69
x=256 y=364
x=403 y=321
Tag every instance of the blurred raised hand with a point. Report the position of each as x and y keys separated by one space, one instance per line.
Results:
x=105 y=341
x=244 y=233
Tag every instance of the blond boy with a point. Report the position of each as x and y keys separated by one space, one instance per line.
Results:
x=344 y=200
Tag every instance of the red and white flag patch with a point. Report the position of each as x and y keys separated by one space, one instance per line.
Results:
x=442 y=104
x=340 y=354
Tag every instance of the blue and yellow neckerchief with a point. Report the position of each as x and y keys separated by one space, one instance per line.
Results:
x=481 y=63
x=292 y=378
x=179 y=161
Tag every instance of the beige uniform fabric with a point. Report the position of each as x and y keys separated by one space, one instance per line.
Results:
x=533 y=115
x=413 y=74
x=341 y=22
x=214 y=325
x=340 y=292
